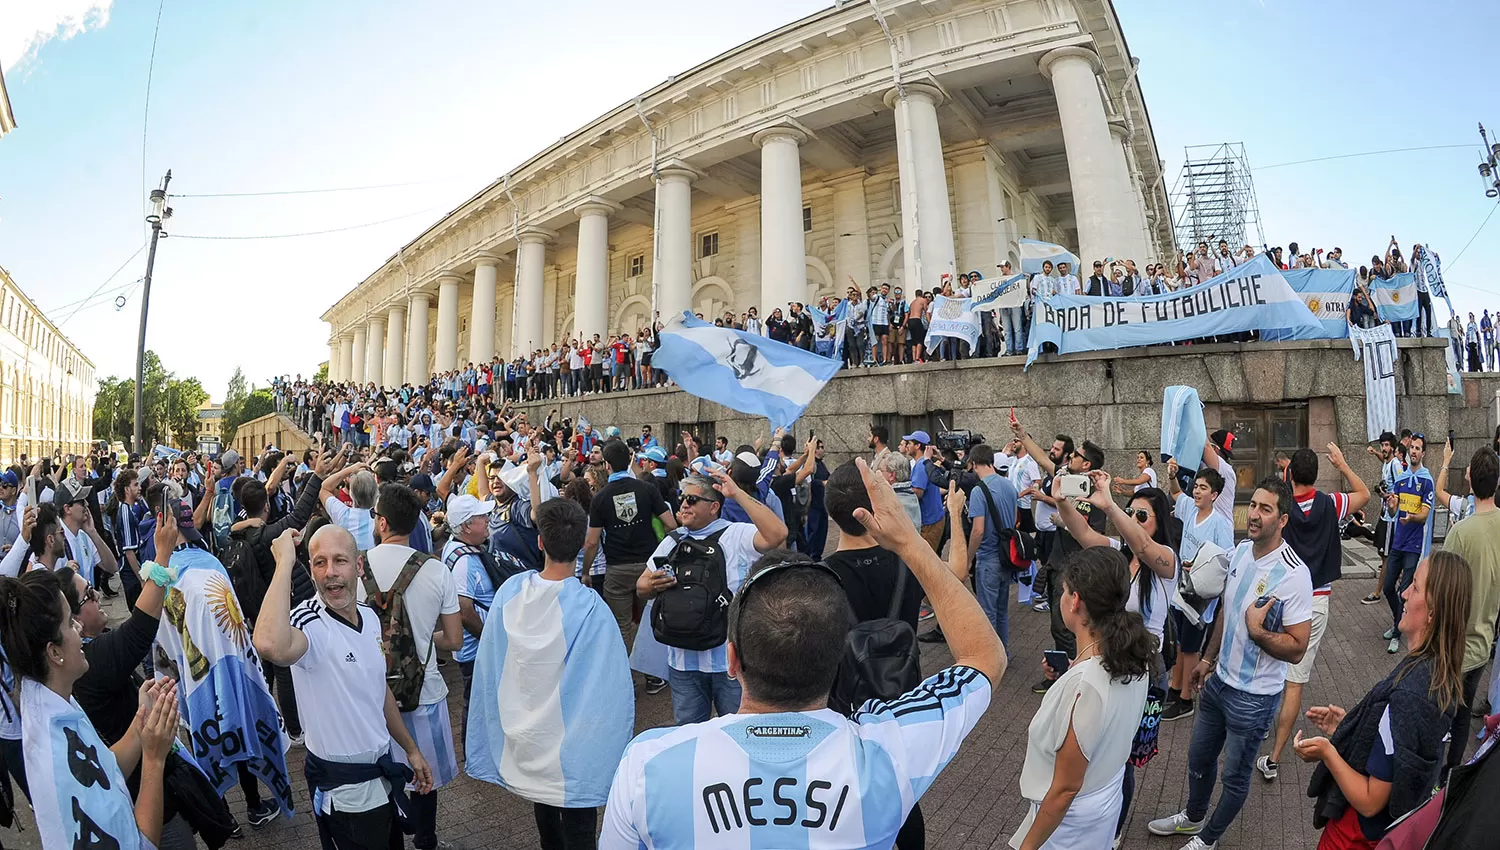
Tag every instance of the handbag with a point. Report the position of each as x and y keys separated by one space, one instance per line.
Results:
x=1143 y=748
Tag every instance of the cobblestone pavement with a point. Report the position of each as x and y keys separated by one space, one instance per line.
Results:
x=976 y=802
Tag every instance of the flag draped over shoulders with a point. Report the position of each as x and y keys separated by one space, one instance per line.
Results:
x=226 y=704
x=553 y=705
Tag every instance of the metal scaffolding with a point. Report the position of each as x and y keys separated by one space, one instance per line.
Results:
x=1214 y=197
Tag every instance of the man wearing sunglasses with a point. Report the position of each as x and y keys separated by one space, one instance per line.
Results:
x=785 y=768
x=700 y=679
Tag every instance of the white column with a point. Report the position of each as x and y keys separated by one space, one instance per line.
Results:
x=395 y=346
x=531 y=259
x=851 y=233
x=783 y=250
x=482 y=323
x=1096 y=163
x=591 y=288
x=416 y=340
x=375 y=350
x=346 y=358
x=926 y=221
x=357 y=373
x=674 y=278
x=447 y=332
x=333 y=359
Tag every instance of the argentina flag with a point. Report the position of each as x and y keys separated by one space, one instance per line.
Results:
x=742 y=371
x=1395 y=297
x=553 y=705
x=1035 y=252
x=1182 y=429
x=1327 y=293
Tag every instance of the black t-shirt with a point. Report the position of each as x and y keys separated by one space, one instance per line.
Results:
x=624 y=508
x=869 y=577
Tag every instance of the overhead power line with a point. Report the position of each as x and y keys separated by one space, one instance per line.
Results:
x=1361 y=153
x=1453 y=262
x=101 y=286
x=146 y=111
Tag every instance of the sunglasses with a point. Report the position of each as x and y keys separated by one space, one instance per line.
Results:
x=689 y=500
x=1140 y=514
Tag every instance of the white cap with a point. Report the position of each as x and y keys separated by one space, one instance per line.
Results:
x=750 y=459
x=463 y=507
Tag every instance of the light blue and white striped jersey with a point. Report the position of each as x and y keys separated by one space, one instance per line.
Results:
x=359 y=522
x=738 y=543
x=1242 y=664
x=814 y=780
x=1216 y=529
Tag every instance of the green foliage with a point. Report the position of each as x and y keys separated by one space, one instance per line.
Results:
x=322 y=374
x=169 y=406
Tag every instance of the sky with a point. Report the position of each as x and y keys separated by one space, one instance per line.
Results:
x=444 y=97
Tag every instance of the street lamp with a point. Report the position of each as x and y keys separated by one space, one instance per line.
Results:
x=1489 y=167
x=159 y=213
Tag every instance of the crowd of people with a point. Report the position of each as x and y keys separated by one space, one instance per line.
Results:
x=563 y=568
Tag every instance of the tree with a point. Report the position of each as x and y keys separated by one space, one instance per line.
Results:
x=234 y=405
x=322 y=374
x=169 y=405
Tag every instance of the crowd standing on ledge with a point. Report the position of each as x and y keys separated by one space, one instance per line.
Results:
x=305 y=600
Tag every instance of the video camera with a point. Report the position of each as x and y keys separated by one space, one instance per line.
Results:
x=958 y=441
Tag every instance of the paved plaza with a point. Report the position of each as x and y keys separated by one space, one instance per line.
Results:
x=975 y=804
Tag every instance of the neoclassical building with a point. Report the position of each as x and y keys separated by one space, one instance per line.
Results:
x=47 y=386
x=848 y=147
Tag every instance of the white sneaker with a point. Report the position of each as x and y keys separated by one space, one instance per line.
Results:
x=1196 y=843
x=1394 y=646
x=1268 y=769
x=1177 y=824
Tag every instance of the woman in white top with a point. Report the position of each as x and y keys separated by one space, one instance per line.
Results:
x=1081 y=736
x=1145 y=477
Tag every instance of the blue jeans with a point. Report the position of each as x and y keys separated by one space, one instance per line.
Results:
x=1015 y=329
x=695 y=695
x=1400 y=569
x=993 y=583
x=1231 y=722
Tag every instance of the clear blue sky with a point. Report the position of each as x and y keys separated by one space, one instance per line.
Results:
x=293 y=95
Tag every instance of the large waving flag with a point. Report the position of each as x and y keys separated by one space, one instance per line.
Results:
x=1327 y=293
x=1034 y=253
x=226 y=704
x=77 y=790
x=553 y=704
x=742 y=371
x=1182 y=429
x=1395 y=297
x=1428 y=268
x=955 y=318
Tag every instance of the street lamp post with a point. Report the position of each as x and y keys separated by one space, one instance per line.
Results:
x=159 y=213
x=1489 y=167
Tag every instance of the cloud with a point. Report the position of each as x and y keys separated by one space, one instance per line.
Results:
x=27 y=25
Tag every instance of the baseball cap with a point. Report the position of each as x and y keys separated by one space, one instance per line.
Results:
x=611 y=431
x=70 y=491
x=143 y=475
x=919 y=437
x=1223 y=441
x=229 y=458
x=463 y=507
x=9 y=479
x=422 y=481
x=749 y=459
x=185 y=524
x=655 y=453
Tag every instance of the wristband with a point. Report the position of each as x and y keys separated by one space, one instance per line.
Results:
x=163 y=577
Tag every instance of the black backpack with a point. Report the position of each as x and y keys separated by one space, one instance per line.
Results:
x=881 y=658
x=244 y=572
x=694 y=614
x=497 y=570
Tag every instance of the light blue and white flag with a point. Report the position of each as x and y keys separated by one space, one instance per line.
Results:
x=1455 y=380
x=742 y=371
x=1326 y=292
x=553 y=704
x=1395 y=297
x=1001 y=294
x=1034 y=253
x=839 y=316
x=225 y=703
x=1250 y=296
x=1428 y=268
x=1182 y=430
x=954 y=318
x=77 y=790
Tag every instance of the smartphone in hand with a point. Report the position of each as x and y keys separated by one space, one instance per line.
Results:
x=1057 y=660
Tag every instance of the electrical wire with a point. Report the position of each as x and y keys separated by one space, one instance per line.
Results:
x=307 y=233
x=1453 y=262
x=102 y=285
x=146 y=111
x=106 y=293
x=314 y=191
x=1362 y=153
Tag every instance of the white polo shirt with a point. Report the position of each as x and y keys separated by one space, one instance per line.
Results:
x=340 y=683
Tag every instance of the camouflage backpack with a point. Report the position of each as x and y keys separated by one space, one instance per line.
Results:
x=404 y=670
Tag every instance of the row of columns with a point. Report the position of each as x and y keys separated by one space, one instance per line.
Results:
x=1105 y=201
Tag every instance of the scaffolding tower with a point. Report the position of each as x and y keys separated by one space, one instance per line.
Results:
x=1214 y=197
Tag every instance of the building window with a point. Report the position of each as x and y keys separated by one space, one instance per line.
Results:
x=807 y=219
x=636 y=265
x=708 y=244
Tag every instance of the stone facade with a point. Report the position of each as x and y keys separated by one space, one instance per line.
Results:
x=47 y=386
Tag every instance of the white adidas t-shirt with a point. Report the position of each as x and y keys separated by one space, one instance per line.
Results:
x=431 y=593
x=341 y=690
x=1242 y=663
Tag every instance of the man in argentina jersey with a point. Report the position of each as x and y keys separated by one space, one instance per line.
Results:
x=1244 y=667
x=786 y=771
